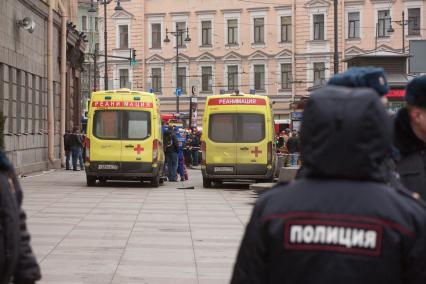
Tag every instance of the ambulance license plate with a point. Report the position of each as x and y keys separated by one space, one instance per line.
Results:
x=107 y=167
x=223 y=169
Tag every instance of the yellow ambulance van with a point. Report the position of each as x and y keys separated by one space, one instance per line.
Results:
x=238 y=139
x=124 y=137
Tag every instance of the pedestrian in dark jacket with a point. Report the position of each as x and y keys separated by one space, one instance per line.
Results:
x=171 y=150
x=67 y=147
x=17 y=261
x=340 y=223
x=76 y=142
x=293 y=147
x=410 y=137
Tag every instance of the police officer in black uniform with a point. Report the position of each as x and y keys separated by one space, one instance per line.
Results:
x=340 y=222
x=17 y=261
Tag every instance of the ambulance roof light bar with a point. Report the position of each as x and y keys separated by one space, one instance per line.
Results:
x=237 y=93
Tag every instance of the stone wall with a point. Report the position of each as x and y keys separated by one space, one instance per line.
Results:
x=23 y=84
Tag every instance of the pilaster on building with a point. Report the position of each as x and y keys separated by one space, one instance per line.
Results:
x=281 y=50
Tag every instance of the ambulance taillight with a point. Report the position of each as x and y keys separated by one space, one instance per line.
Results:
x=155 y=145
x=87 y=145
x=269 y=152
x=203 y=152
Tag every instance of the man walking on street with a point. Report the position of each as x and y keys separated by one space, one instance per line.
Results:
x=340 y=222
x=76 y=149
x=410 y=137
x=293 y=147
x=67 y=147
x=195 y=143
x=171 y=149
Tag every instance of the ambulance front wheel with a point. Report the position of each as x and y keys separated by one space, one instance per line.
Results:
x=207 y=183
x=91 y=181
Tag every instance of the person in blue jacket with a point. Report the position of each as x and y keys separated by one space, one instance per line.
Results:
x=181 y=160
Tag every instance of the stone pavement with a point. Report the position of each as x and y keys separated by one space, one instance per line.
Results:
x=127 y=233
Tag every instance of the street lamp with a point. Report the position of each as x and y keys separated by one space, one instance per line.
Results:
x=402 y=23
x=93 y=10
x=178 y=33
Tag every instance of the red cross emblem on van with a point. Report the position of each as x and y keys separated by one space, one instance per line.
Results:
x=256 y=151
x=138 y=149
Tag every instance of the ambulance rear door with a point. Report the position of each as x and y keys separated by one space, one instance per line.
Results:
x=136 y=152
x=220 y=141
x=252 y=146
x=105 y=136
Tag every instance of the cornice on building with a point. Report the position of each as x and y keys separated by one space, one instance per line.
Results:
x=283 y=7
x=152 y=15
x=258 y=9
x=206 y=12
x=231 y=10
x=180 y=13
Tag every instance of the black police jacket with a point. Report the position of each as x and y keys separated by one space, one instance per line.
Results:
x=17 y=260
x=340 y=223
x=412 y=164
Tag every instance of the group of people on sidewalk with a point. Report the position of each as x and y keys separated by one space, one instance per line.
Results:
x=181 y=147
x=356 y=213
x=74 y=146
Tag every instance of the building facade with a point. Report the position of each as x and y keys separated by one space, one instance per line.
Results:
x=282 y=50
x=24 y=82
x=87 y=22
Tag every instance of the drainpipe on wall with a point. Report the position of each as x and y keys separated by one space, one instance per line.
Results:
x=50 y=107
x=293 y=61
x=63 y=73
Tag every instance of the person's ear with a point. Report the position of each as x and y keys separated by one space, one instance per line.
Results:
x=415 y=115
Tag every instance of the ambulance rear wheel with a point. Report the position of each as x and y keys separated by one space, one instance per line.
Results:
x=207 y=183
x=155 y=181
x=91 y=181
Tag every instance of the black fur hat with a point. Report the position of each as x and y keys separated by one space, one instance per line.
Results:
x=416 y=92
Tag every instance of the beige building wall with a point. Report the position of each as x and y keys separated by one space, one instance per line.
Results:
x=303 y=52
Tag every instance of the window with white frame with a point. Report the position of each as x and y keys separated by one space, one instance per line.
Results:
x=156 y=80
x=206 y=33
x=259 y=30
x=206 y=78
x=286 y=29
x=353 y=25
x=286 y=76
x=259 y=77
x=232 y=77
x=319 y=73
x=383 y=23
x=124 y=78
x=318 y=24
x=414 y=21
x=181 y=29
x=123 y=31
x=181 y=79
x=232 y=31
x=84 y=23
x=156 y=35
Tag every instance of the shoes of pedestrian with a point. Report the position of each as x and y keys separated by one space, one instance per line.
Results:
x=182 y=179
x=76 y=170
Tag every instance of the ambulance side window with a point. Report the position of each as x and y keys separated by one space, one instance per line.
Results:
x=136 y=125
x=222 y=128
x=107 y=124
x=251 y=128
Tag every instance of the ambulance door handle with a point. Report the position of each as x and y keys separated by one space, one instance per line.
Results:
x=130 y=146
x=244 y=149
